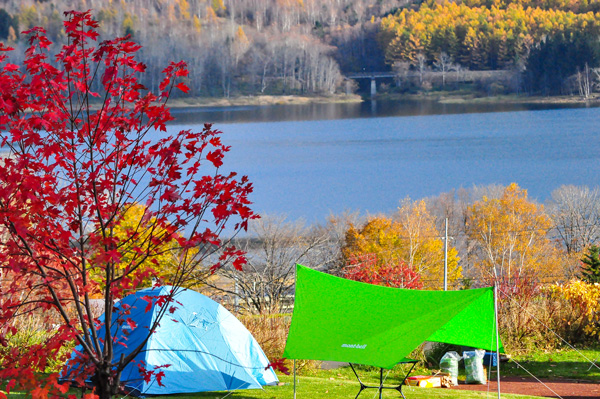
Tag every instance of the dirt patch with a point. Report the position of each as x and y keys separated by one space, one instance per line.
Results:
x=567 y=389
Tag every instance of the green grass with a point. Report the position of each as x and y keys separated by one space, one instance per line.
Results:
x=567 y=364
x=329 y=387
x=341 y=383
x=333 y=384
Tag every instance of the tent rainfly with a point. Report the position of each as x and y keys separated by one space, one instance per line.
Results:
x=348 y=321
x=205 y=346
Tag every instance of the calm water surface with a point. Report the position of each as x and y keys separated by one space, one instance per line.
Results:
x=311 y=161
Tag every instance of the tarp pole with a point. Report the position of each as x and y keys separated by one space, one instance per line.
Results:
x=294 y=378
x=380 y=382
x=497 y=338
x=295 y=282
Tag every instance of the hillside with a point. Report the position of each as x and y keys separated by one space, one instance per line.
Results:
x=304 y=47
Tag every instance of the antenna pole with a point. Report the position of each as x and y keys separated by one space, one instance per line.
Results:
x=446 y=258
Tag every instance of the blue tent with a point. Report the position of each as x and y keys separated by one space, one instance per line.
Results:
x=207 y=348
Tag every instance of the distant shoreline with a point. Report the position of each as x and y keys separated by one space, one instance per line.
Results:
x=440 y=97
x=469 y=98
x=192 y=102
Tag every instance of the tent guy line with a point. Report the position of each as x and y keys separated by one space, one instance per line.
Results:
x=204 y=353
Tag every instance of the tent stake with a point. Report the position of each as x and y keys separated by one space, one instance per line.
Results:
x=497 y=338
x=294 y=378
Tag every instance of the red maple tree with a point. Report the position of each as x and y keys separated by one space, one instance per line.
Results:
x=365 y=268
x=80 y=131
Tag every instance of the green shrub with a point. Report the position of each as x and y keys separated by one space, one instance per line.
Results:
x=26 y=339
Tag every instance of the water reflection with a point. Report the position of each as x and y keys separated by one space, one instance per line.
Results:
x=366 y=109
x=373 y=108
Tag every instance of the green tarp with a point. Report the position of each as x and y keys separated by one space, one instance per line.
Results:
x=348 y=321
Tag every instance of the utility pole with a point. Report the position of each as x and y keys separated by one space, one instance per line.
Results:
x=446 y=258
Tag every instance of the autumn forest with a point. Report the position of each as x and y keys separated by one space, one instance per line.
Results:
x=253 y=47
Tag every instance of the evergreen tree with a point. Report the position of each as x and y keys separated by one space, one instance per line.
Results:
x=5 y=23
x=556 y=58
x=590 y=268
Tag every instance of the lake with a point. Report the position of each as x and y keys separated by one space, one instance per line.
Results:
x=315 y=160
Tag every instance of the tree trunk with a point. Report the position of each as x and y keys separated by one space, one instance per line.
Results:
x=104 y=383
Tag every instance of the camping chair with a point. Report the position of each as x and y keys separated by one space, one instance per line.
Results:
x=381 y=387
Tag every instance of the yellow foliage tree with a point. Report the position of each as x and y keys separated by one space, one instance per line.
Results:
x=469 y=30
x=218 y=5
x=240 y=36
x=410 y=236
x=240 y=45
x=511 y=239
x=197 y=24
x=28 y=17
x=584 y=300
x=184 y=9
x=136 y=235
x=211 y=16
x=129 y=24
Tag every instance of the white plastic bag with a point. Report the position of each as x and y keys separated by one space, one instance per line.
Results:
x=449 y=364
x=474 y=366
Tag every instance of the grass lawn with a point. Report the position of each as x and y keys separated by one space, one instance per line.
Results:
x=567 y=364
x=336 y=385
x=341 y=383
x=332 y=384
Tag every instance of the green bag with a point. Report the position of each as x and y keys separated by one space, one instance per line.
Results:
x=474 y=366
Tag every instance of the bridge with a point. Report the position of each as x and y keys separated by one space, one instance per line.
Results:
x=373 y=76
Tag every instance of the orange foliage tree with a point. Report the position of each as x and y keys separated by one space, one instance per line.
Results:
x=410 y=237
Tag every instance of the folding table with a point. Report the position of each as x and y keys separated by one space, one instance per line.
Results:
x=381 y=387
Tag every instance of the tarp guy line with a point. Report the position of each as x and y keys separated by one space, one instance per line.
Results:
x=552 y=331
x=537 y=379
